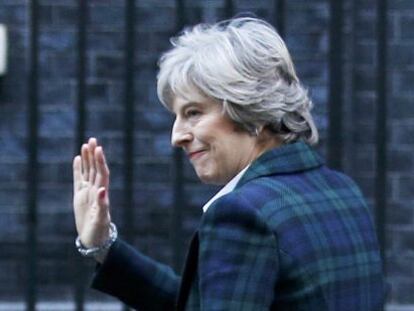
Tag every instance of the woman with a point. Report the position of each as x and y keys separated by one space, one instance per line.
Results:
x=285 y=233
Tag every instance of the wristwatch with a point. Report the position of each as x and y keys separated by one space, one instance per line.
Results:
x=96 y=251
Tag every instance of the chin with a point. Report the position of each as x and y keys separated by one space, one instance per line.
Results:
x=210 y=179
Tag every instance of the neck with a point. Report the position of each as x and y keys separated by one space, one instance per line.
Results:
x=267 y=140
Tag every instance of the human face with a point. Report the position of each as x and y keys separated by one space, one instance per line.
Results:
x=216 y=147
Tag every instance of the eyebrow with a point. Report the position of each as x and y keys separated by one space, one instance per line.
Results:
x=189 y=104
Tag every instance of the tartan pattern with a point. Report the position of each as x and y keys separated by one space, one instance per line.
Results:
x=293 y=235
x=136 y=279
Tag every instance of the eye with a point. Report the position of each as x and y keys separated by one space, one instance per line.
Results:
x=191 y=113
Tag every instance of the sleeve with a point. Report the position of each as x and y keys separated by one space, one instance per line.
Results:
x=135 y=279
x=238 y=263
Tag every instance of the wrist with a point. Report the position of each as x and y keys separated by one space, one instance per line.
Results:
x=98 y=252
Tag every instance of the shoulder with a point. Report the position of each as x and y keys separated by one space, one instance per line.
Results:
x=231 y=204
x=234 y=210
x=246 y=201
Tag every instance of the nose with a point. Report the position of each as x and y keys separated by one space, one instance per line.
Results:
x=180 y=135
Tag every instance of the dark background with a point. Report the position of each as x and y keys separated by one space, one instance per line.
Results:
x=88 y=68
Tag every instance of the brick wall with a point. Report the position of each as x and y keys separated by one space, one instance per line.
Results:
x=361 y=122
x=400 y=214
x=13 y=151
x=307 y=36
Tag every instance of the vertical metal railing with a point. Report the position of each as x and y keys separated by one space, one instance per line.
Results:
x=129 y=120
x=32 y=185
x=229 y=9
x=80 y=133
x=279 y=17
x=177 y=172
x=81 y=84
x=178 y=193
x=336 y=80
x=381 y=123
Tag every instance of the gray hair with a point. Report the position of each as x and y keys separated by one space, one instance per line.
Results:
x=244 y=64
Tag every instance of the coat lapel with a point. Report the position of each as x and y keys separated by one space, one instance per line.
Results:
x=190 y=270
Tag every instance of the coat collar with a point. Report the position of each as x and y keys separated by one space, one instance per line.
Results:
x=290 y=158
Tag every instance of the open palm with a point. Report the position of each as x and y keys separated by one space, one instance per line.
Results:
x=91 y=198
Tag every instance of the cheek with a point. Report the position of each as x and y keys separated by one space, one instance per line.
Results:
x=225 y=156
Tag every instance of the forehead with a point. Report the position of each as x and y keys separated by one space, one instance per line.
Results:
x=179 y=102
x=184 y=92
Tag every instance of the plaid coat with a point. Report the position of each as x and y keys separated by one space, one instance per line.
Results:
x=293 y=235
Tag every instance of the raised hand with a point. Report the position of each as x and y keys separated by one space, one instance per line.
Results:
x=90 y=195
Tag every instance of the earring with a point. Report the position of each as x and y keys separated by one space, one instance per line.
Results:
x=256 y=132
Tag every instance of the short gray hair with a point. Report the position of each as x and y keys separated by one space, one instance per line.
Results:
x=244 y=64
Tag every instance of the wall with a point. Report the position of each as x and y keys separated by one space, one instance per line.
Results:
x=154 y=220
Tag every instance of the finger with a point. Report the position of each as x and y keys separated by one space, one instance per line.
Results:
x=77 y=173
x=91 y=154
x=103 y=205
x=85 y=161
x=102 y=177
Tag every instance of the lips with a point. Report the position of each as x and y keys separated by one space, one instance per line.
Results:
x=196 y=154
